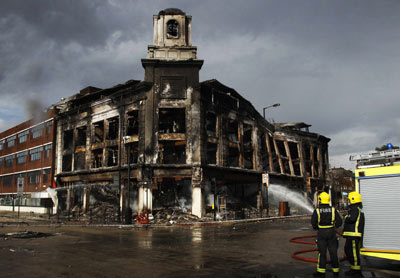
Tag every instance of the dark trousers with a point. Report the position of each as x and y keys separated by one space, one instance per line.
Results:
x=327 y=240
x=352 y=251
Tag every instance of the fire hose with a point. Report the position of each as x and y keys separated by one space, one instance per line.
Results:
x=298 y=240
x=143 y=218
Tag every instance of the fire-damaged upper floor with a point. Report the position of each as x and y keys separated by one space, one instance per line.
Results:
x=226 y=131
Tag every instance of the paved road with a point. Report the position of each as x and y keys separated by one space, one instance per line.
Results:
x=230 y=250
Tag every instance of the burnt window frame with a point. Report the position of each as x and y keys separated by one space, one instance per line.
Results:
x=113 y=123
x=132 y=116
x=95 y=138
x=178 y=146
x=164 y=122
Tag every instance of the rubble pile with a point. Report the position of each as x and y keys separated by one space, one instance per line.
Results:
x=173 y=215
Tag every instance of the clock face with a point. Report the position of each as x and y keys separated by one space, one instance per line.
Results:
x=172 y=28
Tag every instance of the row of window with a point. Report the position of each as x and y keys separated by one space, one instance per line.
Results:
x=22 y=137
x=32 y=177
x=34 y=154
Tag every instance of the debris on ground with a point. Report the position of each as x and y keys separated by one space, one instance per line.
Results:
x=25 y=234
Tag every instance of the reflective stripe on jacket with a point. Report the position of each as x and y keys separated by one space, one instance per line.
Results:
x=354 y=222
x=326 y=217
x=332 y=219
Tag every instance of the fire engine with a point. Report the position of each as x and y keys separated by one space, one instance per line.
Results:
x=377 y=179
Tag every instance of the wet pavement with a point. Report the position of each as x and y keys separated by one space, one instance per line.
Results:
x=225 y=250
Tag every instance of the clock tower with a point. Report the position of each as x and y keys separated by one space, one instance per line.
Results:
x=171 y=38
x=173 y=69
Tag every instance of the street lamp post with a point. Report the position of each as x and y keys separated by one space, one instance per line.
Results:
x=128 y=211
x=273 y=105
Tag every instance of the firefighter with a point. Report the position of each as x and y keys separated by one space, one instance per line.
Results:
x=353 y=232
x=326 y=219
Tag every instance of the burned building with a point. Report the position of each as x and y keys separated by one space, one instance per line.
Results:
x=172 y=140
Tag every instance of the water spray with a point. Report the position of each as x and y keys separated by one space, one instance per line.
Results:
x=295 y=198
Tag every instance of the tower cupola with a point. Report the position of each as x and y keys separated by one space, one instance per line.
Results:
x=172 y=36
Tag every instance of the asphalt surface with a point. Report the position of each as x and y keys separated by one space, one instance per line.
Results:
x=225 y=250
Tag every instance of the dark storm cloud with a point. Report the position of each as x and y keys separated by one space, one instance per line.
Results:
x=333 y=64
x=61 y=21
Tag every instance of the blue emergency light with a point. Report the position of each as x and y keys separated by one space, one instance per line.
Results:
x=389 y=146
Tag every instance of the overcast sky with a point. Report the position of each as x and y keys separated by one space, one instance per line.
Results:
x=332 y=64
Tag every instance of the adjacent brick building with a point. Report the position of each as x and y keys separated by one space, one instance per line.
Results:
x=26 y=154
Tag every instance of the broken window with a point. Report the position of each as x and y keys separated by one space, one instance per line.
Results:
x=316 y=161
x=172 y=120
x=80 y=136
x=21 y=157
x=281 y=147
x=316 y=170
x=294 y=153
x=247 y=146
x=79 y=161
x=97 y=158
x=307 y=151
x=132 y=127
x=112 y=156
x=233 y=131
x=172 y=152
x=307 y=157
x=212 y=150
x=315 y=153
x=286 y=166
x=211 y=124
x=308 y=167
x=67 y=163
x=172 y=192
x=275 y=162
x=264 y=152
x=68 y=139
x=134 y=152
x=98 y=132
x=233 y=156
x=113 y=128
x=172 y=29
x=296 y=168
x=323 y=162
x=34 y=177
